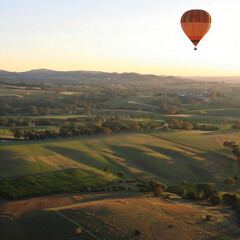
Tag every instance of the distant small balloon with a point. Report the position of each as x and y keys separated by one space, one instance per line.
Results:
x=196 y=24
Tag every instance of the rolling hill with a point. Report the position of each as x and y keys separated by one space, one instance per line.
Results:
x=75 y=76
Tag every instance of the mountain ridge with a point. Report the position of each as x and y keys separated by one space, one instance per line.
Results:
x=36 y=75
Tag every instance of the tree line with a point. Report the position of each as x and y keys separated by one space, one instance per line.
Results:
x=235 y=150
x=108 y=127
x=185 y=124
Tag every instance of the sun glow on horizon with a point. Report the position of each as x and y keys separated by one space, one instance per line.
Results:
x=137 y=36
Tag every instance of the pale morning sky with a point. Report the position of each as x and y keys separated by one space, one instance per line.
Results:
x=142 y=36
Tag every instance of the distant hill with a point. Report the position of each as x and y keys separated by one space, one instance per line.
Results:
x=40 y=75
x=226 y=79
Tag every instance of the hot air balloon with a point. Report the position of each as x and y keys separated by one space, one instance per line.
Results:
x=196 y=23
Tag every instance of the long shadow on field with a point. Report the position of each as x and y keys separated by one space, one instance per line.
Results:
x=212 y=166
x=175 y=167
x=39 y=225
x=12 y=164
x=79 y=156
x=7 y=154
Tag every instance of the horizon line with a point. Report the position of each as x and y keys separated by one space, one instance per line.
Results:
x=186 y=76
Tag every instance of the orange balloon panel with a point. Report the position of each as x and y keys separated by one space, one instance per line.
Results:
x=196 y=24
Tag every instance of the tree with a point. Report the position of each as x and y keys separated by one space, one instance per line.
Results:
x=230 y=181
x=236 y=125
x=106 y=170
x=151 y=186
x=120 y=174
x=191 y=195
x=215 y=200
x=202 y=112
x=158 y=191
x=236 y=153
x=18 y=132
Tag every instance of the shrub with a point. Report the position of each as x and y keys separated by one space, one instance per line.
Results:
x=184 y=195
x=131 y=180
x=120 y=174
x=208 y=218
x=137 y=232
x=230 y=181
x=158 y=191
x=143 y=189
x=201 y=195
x=185 y=182
x=191 y=195
x=141 y=185
x=215 y=200
x=231 y=200
x=151 y=186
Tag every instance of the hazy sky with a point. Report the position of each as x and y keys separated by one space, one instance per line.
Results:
x=142 y=36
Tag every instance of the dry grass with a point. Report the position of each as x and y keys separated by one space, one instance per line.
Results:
x=117 y=215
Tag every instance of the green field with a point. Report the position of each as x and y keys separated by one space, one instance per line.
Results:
x=48 y=184
x=168 y=156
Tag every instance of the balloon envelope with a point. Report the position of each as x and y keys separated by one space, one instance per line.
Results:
x=196 y=23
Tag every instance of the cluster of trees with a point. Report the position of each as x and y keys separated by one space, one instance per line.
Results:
x=22 y=84
x=90 y=98
x=230 y=181
x=210 y=195
x=107 y=127
x=34 y=134
x=16 y=122
x=83 y=129
x=156 y=187
x=233 y=201
x=169 y=109
x=235 y=149
x=216 y=94
x=187 y=125
x=236 y=125
x=171 y=106
x=26 y=105
x=31 y=122
x=189 y=100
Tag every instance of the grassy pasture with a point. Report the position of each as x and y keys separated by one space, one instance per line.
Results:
x=168 y=156
x=46 y=225
x=216 y=112
x=136 y=102
x=9 y=230
x=47 y=184
x=191 y=107
x=154 y=218
x=117 y=216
